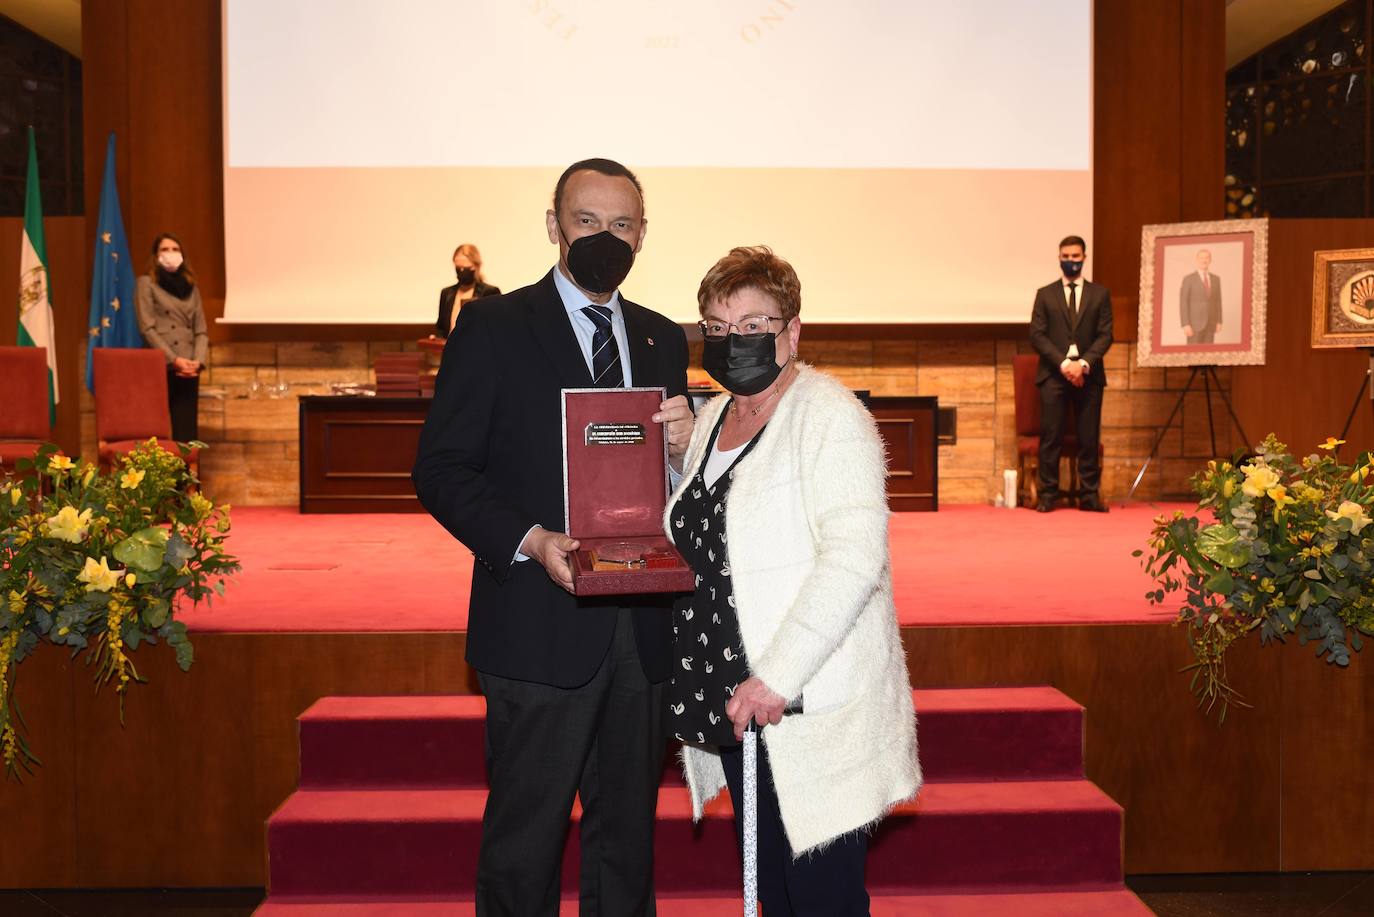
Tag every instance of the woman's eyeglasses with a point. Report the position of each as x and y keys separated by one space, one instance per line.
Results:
x=751 y=326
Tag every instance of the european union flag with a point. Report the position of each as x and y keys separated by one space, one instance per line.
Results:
x=114 y=319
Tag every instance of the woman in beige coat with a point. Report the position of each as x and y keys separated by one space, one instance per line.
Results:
x=782 y=514
x=172 y=319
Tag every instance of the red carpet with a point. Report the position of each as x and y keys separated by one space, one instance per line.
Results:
x=388 y=817
x=965 y=565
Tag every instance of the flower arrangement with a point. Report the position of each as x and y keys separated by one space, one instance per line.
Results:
x=1291 y=550
x=98 y=561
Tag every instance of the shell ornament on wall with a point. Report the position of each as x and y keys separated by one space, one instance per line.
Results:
x=1358 y=303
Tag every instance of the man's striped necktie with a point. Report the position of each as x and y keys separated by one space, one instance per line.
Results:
x=606 y=369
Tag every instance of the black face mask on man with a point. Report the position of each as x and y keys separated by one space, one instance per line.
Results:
x=1070 y=267
x=742 y=365
x=466 y=276
x=599 y=263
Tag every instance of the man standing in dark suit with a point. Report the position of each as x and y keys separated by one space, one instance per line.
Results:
x=1071 y=329
x=1199 y=302
x=574 y=687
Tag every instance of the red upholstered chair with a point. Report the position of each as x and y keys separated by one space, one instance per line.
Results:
x=131 y=402
x=24 y=409
x=1027 y=395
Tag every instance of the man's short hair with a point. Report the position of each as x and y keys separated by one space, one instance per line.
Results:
x=752 y=267
x=1203 y=251
x=1074 y=240
x=604 y=167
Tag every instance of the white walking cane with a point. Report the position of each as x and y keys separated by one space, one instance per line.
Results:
x=750 y=829
x=751 y=820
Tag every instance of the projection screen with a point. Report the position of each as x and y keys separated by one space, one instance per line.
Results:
x=916 y=161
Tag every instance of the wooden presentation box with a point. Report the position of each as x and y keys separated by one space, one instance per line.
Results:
x=615 y=488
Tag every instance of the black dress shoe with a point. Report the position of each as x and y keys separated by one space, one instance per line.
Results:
x=1092 y=505
x=1045 y=506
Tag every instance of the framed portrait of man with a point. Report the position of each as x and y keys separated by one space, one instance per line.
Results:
x=1202 y=293
x=1343 y=298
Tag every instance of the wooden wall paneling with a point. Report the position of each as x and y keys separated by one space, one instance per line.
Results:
x=38 y=818
x=175 y=168
x=1302 y=394
x=205 y=756
x=1328 y=809
x=1202 y=110
x=67 y=265
x=1158 y=97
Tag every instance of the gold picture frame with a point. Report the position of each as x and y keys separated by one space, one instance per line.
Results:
x=1343 y=298
x=1196 y=313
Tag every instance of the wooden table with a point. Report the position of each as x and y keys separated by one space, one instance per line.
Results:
x=357 y=452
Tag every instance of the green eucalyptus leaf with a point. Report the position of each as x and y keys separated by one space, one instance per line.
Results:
x=143 y=550
x=178 y=551
x=155 y=612
x=1222 y=544
x=1221 y=582
x=186 y=654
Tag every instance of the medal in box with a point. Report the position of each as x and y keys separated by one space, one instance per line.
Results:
x=615 y=488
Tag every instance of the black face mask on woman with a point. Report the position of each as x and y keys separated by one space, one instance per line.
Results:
x=742 y=365
x=466 y=276
x=599 y=263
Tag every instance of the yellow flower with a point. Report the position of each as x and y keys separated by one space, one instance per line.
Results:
x=129 y=581
x=98 y=577
x=88 y=476
x=1228 y=490
x=1259 y=478
x=60 y=463
x=1358 y=474
x=131 y=478
x=201 y=505
x=1353 y=511
x=16 y=602
x=68 y=524
x=15 y=496
x=1331 y=444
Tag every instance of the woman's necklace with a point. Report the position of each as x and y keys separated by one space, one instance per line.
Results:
x=777 y=387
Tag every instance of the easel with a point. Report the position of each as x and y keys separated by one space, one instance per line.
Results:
x=1209 y=375
x=1365 y=386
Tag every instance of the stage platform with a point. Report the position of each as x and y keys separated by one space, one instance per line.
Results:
x=331 y=606
x=961 y=566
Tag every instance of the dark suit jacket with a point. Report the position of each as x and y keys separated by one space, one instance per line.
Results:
x=1052 y=330
x=490 y=466
x=1195 y=306
x=446 y=297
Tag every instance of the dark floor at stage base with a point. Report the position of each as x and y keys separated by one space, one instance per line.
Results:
x=1330 y=894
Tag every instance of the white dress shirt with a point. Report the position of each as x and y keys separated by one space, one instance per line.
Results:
x=1079 y=283
x=574 y=301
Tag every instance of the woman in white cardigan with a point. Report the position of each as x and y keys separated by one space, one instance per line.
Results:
x=782 y=513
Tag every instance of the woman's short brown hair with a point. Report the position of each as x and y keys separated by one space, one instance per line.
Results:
x=752 y=267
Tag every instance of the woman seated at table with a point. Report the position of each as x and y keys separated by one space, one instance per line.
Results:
x=782 y=514
x=467 y=264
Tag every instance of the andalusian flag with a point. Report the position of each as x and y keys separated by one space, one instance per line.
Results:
x=35 y=300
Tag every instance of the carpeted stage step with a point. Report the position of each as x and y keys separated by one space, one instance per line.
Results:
x=1111 y=902
x=424 y=841
x=388 y=818
x=1031 y=733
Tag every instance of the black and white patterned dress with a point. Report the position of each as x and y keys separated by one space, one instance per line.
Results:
x=709 y=652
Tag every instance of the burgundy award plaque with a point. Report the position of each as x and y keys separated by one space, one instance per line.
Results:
x=615 y=488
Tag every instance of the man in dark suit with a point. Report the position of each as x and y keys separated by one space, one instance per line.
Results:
x=1071 y=329
x=1199 y=302
x=574 y=687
